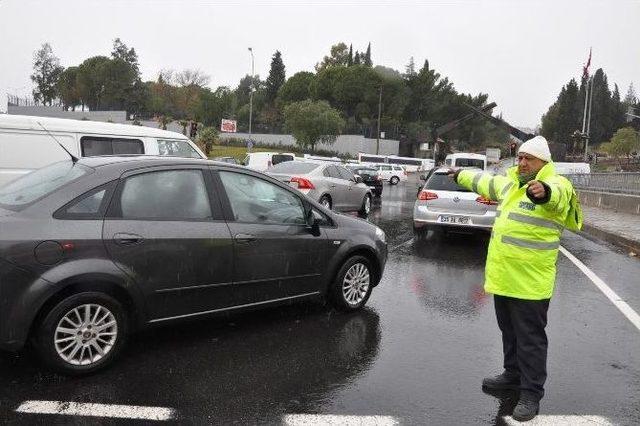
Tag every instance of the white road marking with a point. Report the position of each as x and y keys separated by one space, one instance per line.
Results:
x=618 y=302
x=97 y=410
x=561 y=420
x=401 y=244
x=331 y=420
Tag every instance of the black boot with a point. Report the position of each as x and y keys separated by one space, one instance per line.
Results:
x=502 y=381
x=526 y=409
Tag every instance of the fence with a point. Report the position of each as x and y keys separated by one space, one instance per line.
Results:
x=619 y=183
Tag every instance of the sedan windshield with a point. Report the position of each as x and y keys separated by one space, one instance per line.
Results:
x=40 y=183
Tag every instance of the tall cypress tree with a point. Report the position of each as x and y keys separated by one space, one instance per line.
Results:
x=367 y=57
x=350 y=60
x=276 y=77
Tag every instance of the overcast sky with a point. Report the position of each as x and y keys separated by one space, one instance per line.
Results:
x=519 y=52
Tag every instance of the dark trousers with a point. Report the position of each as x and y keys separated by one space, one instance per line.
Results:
x=524 y=341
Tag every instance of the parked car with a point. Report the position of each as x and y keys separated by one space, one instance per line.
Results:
x=28 y=143
x=262 y=161
x=230 y=160
x=370 y=177
x=95 y=249
x=391 y=173
x=333 y=186
x=444 y=205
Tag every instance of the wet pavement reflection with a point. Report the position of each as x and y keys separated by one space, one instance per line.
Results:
x=418 y=352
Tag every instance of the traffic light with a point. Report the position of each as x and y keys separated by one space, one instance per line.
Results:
x=512 y=148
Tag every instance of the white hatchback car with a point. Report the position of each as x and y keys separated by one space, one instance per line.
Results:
x=391 y=173
x=443 y=204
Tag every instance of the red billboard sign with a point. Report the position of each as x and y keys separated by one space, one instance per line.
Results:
x=229 y=126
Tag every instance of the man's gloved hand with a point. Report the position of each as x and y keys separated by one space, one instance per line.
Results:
x=536 y=189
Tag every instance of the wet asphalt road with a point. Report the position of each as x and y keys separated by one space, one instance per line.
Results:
x=418 y=352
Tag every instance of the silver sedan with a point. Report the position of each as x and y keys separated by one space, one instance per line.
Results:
x=332 y=185
x=443 y=204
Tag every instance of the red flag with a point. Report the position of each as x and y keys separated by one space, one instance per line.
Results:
x=585 y=69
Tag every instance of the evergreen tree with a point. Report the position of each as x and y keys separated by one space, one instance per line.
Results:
x=630 y=98
x=410 y=68
x=367 y=57
x=276 y=77
x=565 y=116
x=350 y=60
x=356 y=59
x=46 y=72
x=121 y=51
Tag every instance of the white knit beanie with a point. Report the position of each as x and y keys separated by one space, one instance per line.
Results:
x=538 y=147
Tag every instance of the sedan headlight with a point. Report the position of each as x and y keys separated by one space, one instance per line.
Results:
x=380 y=234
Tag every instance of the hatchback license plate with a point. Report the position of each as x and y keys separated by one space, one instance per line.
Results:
x=458 y=220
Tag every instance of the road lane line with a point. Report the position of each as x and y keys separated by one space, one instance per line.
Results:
x=619 y=303
x=331 y=420
x=97 y=410
x=561 y=420
x=400 y=245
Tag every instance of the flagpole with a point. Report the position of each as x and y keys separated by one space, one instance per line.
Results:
x=586 y=146
x=586 y=103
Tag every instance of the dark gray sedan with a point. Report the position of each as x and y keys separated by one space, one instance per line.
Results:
x=95 y=249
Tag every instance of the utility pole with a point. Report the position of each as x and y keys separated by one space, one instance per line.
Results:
x=379 y=112
x=251 y=97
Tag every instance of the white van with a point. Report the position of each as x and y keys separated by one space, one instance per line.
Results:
x=466 y=159
x=28 y=143
x=261 y=161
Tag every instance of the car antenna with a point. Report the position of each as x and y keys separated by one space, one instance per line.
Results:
x=73 y=157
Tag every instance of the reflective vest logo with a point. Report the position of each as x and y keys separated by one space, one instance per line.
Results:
x=527 y=206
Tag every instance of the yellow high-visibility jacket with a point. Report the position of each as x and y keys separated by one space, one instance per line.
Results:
x=523 y=250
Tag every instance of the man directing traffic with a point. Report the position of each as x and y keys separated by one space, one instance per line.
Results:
x=535 y=205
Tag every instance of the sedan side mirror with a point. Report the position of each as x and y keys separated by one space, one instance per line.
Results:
x=313 y=224
x=423 y=177
x=358 y=179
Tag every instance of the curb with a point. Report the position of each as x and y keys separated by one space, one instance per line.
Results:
x=618 y=240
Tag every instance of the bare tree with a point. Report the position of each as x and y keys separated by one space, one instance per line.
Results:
x=192 y=77
x=166 y=76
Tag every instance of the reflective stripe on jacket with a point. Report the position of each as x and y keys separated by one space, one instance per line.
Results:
x=523 y=250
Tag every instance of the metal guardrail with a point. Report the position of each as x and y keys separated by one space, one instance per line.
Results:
x=620 y=183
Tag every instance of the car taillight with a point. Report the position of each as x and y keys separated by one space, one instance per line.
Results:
x=303 y=183
x=426 y=196
x=486 y=201
x=378 y=177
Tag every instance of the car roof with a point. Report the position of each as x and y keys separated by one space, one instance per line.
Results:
x=466 y=155
x=146 y=160
x=25 y=122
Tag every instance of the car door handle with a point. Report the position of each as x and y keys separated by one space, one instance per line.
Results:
x=127 y=239
x=245 y=238
x=332 y=186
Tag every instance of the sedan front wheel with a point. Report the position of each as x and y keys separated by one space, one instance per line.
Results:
x=353 y=284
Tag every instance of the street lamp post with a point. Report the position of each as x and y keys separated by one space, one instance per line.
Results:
x=379 y=111
x=251 y=95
